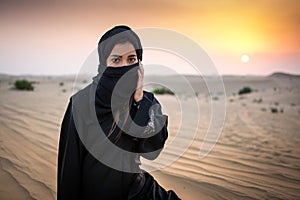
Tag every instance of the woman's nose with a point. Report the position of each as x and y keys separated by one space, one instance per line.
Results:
x=124 y=63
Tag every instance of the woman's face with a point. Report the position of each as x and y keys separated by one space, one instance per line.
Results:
x=122 y=55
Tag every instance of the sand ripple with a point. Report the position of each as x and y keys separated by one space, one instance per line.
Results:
x=256 y=157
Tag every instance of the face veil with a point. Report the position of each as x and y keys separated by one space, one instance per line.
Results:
x=114 y=94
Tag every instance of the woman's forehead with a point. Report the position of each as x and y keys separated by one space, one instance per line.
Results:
x=123 y=49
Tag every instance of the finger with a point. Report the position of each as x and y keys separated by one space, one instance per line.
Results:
x=141 y=71
x=141 y=66
x=141 y=75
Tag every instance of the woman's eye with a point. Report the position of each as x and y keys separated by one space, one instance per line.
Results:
x=132 y=60
x=115 y=60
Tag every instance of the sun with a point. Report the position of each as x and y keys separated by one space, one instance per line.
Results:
x=245 y=58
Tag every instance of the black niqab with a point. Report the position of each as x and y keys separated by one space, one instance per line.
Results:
x=114 y=96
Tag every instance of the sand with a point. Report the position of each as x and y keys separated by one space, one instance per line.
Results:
x=256 y=157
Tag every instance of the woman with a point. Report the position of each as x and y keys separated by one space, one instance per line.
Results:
x=99 y=154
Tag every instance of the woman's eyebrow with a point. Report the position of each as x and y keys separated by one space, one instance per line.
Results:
x=116 y=56
x=132 y=55
x=119 y=56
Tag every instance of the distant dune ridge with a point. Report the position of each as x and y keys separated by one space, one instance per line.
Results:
x=284 y=75
x=256 y=157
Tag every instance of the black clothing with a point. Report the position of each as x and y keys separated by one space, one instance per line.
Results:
x=82 y=176
x=114 y=90
x=117 y=35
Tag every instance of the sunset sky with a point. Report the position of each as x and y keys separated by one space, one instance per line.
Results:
x=55 y=37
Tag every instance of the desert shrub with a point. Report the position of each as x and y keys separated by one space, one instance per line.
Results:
x=162 y=90
x=61 y=83
x=274 y=110
x=245 y=90
x=257 y=100
x=216 y=98
x=263 y=109
x=23 y=85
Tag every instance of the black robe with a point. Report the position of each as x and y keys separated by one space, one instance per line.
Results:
x=81 y=176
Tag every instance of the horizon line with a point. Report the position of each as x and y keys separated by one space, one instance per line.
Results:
x=223 y=75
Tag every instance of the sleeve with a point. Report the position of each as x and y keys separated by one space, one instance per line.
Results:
x=69 y=159
x=155 y=133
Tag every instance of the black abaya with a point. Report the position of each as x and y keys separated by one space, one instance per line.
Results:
x=82 y=176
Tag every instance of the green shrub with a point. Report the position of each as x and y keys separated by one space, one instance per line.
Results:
x=274 y=110
x=257 y=100
x=263 y=109
x=162 y=90
x=23 y=85
x=245 y=90
x=216 y=98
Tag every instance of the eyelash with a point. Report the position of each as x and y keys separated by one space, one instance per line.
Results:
x=117 y=60
x=131 y=60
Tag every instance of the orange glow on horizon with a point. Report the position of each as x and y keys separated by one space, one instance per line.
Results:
x=226 y=29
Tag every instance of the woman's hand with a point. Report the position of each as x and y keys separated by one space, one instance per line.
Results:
x=138 y=95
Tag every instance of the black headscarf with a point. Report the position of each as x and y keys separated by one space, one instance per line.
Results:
x=116 y=86
x=117 y=35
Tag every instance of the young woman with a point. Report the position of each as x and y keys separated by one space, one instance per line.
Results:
x=107 y=127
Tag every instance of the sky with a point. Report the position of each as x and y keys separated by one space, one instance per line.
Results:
x=54 y=37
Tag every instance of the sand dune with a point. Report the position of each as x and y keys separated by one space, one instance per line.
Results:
x=256 y=157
